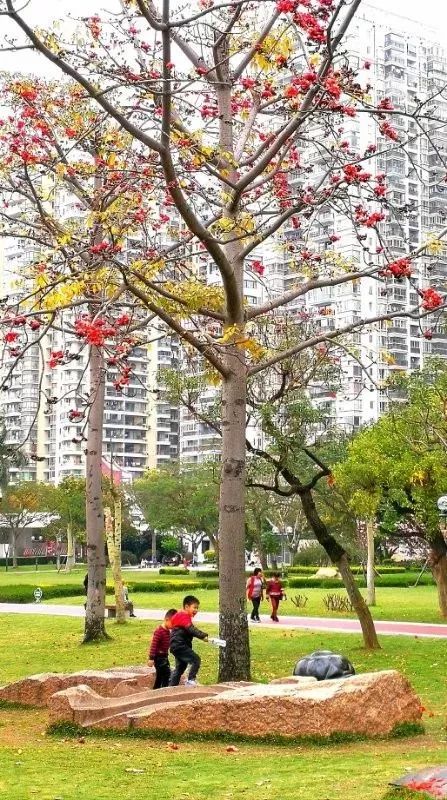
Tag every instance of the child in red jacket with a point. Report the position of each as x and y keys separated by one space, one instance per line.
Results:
x=159 y=650
x=182 y=634
x=275 y=593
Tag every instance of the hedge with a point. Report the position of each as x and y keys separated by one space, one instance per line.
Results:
x=173 y=571
x=404 y=580
x=28 y=561
x=356 y=569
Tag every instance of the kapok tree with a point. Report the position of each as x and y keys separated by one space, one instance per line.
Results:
x=62 y=201
x=237 y=109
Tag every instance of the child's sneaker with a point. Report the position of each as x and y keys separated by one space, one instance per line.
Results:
x=191 y=683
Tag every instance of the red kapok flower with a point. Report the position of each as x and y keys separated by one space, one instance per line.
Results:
x=431 y=299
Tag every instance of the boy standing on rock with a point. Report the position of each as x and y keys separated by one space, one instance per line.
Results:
x=182 y=633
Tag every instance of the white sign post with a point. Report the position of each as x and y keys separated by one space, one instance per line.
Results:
x=37 y=595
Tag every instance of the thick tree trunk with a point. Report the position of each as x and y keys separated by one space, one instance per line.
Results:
x=339 y=558
x=370 y=576
x=437 y=561
x=234 y=662
x=96 y=554
x=70 y=562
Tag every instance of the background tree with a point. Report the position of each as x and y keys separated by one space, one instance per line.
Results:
x=397 y=468
x=184 y=500
x=68 y=502
x=23 y=506
x=218 y=139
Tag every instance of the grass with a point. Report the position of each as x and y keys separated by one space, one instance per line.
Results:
x=418 y=604
x=36 y=765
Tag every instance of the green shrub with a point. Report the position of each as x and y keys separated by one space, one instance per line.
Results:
x=304 y=569
x=23 y=593
x=209 y=556
x=308 y=582
x=173 y=571
x=27 y=561
x=127 y=557
x=312 y=554
x=207 y=573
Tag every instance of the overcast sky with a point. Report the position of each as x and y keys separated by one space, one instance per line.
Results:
x=430 y=13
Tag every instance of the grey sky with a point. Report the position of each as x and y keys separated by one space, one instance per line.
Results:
x=430 y=13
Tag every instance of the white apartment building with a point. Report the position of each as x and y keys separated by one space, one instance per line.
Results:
x=407 y=65
x=140 y=427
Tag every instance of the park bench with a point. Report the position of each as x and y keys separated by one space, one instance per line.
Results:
x=111 y=610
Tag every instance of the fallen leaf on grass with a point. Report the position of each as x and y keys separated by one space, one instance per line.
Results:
x=232 y=749
x=135 y=771
x=172 y=746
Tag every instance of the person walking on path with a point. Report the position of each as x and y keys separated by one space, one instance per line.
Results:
x=159 y=651
x=275 y=593
x=255 y=592
x=182 y=634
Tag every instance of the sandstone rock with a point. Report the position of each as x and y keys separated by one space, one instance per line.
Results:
x=83 y=706
x=296 y=680
x=351 y=705
x=37 y=689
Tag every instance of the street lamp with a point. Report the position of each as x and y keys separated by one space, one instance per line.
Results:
x=442 y=510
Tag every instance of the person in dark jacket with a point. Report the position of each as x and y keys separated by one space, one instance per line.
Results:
x=159 y=651
x=182 y=634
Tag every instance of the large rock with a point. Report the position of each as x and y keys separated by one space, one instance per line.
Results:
x=85 y=707
x=351 y=705
x=37 y=689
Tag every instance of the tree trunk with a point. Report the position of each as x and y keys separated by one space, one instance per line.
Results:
x=96 y=555
x=234 y=661
x=437 y=561
x=339 y=558
x=154 y=548
x=70 y=562
x=370 y=576
x=14 y=539
x=113 y=538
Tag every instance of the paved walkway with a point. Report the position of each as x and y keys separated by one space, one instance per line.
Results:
x=308 y=623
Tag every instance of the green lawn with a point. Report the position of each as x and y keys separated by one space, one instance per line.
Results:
x=35 y=765
x=410 y=605
x=413 y=604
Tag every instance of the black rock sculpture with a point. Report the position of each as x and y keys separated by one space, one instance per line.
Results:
x=324 y=665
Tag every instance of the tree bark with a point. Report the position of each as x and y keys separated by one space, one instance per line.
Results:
x=113 y=538
x=437 y=561
x=96 y=554
x=70 y=562
x=370 y=576
x=154 y=548
x=234 y=661
x=339 y=558
x=14 y=539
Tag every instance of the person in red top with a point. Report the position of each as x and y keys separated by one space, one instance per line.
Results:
x=182 y=634
x=159 y=650
x=275 y=593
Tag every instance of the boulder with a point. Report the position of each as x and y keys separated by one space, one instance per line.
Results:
x=324 y=665
x=353 y=705
x=83 y=706
x=37 y=689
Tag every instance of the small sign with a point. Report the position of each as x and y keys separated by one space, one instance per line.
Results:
x=38 y=595
x=442 y=504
